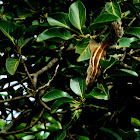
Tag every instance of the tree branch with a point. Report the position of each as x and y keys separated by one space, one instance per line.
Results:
x=16 y=98
x=48 y=84
x=24 y=129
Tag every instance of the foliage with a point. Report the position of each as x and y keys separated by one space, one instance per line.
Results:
x=44 y=54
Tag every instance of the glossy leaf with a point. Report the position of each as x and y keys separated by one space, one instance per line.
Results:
x=59 y=102
x=78 y=86
x=126 y=42
x=28 y=137
x=100 y=92
x=124 y=72
x=135 y=122
x=133 y=31
x=111 y=132
x=102 y=20
x=55 y=94
x=106 y=64
x=83 y=48
x=54 y=33
x=129 y=72
x=11 y=65
x=59 y=19
x=113 y=8
x=7 y=28
x=77 y=15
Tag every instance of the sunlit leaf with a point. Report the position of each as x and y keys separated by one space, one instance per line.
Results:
x=135 y=122
x=83 y=48
x=55 y=94
x=11 y=65
x=54 y=33
x=77 y=15
x=126 y=42
x=113 y=8
x=77 y=85
x=59 y=19
x=102 y=20
x=59 y=102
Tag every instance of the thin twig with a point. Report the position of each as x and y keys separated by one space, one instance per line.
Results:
x=44 y=105
x=16 y=98
x=24 y=129
x=48 y=84
x=28 y=74
x=48 y=66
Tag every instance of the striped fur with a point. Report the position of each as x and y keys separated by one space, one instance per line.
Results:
x=98 y=52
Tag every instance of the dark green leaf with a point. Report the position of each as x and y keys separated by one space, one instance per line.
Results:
x=106 y=64
x=54 y=33
x=55 y=94
x=102 y=20
x=111 y=132
x=59 y=19
x=83 y=138
x=83 y=48
x=59 y=102
x=77 y=15
x=135 y=44
x=78 y=86
x=11 y=65
x=113 y=8
x=100 y=92
x=7 y=28
x=133 y=31
x=129 y=135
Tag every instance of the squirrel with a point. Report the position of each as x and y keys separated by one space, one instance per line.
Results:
x=98 y=52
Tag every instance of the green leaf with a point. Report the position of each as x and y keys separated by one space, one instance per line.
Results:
x=106 y=64
x=2 y=124
x=135 y=122
x=11 y=65
x=7 y=28
x=113 y=8
x=54 y=33
x=77 y=15
x=135 y=44
x=22 y=42
x=28 y=137
x=111 y=132
x=133 y=31
x=83 y=138
x=102 y=20
x=83 y=48
x=59 y=102
x=129 y=135
x=126 y=42
x=100 y=92
x=59 y=19
x=55 y=94
x=131 y=72
x=78 y=86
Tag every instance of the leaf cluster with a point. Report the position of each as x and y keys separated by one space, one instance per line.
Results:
x=44 y=55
